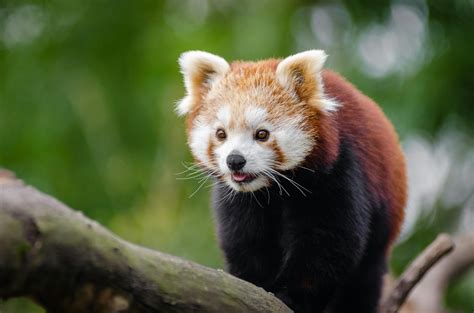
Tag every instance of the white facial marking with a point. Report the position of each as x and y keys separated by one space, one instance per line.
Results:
x=199 y=141
x=287 y=132
x=257 y=156
x=223 y=115
x=330 y=105
x=255 y=117
x=294 y=143
x=243 y=141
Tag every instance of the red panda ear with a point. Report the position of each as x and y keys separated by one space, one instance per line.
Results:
x=301 y=73
x=200 y=70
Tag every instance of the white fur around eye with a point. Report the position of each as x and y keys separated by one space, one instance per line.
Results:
x=223 y=115
x=294 y=143
x=255 y=117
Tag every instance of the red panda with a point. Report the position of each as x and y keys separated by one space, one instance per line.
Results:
x=310 y=177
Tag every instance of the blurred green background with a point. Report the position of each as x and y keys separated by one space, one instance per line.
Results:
x=88 y=88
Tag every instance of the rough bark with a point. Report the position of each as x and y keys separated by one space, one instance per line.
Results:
x=69 y=263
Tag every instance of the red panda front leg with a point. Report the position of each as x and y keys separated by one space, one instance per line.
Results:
x=314 y=268
x=324 y=239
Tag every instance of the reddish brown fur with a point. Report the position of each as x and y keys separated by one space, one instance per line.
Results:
x=376 y=144
x=280 y=156
x=210 y=152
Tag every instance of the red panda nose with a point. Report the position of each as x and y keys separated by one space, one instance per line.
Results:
x=235 y=161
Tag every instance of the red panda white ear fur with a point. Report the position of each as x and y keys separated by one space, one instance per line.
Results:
x=301 y=73
x=200 y=70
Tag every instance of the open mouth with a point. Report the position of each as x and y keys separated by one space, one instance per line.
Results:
x=243 y=178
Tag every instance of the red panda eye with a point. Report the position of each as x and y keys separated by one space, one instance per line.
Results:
x=262 y=135
x=220 y=134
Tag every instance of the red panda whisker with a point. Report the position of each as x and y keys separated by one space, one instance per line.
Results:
x=183 y=172
x=298 y=186
x=188 y=169
x=193 y=169
x=270 y=175
x=199 y=188
x=190 y=163
x=197 y=174
x=199 y=171
x=192 y=166
x=234 y=193
x=308 y=169
x=208 y=173
x=268 y=195
x=225 y=197
x=228 y=193
x=202 y=175
x=281 y=186
x=213 y=184
x=205 y=178
x=194 y=175
x=256 y=200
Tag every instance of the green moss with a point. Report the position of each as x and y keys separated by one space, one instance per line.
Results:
x=20 y=306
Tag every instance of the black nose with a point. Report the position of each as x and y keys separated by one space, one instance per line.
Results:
x=235 y=161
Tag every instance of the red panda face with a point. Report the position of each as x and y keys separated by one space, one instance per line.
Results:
x=249 y=121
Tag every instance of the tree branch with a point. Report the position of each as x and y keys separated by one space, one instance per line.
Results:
x=415 y=272
x=428 y=294
x=69 y=263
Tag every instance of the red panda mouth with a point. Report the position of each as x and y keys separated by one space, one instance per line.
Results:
x=240 y=177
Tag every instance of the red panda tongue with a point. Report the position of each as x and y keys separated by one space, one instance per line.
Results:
x=239 y=177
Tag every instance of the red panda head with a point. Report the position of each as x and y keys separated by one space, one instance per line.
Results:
x=248 y=121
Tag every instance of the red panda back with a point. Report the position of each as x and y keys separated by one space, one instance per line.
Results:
x=376 y=144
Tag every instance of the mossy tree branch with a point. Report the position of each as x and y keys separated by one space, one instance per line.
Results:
x=69 y=263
